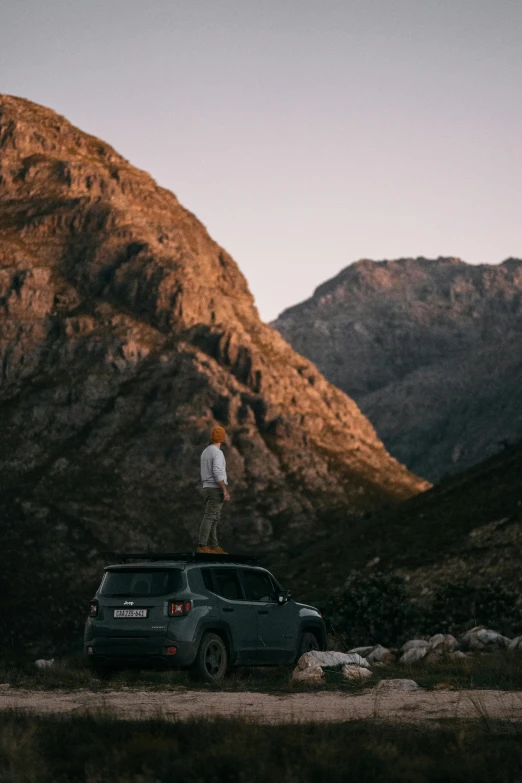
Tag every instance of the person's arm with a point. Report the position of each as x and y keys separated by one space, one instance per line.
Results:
x=219 y=471
x=226 y=493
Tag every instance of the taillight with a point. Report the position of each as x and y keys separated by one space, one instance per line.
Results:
x=179 y=608
x=93 y=608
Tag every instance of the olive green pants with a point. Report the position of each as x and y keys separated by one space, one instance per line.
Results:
x=208 y=528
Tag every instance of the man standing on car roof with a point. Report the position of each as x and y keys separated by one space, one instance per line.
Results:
x=214 y=479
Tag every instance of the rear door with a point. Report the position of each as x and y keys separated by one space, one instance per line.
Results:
x=276 y=623
x=238 y=614
x=134 y=601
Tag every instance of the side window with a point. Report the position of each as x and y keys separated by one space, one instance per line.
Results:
x=227 y=585
x=258 y=586
x=207 y=579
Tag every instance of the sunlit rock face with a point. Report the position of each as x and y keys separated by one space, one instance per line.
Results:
x=126 y=333
x=431 y=350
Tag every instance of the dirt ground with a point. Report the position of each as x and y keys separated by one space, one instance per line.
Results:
x=408 y=707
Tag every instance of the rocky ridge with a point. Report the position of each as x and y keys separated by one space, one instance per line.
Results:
x=126 y=333
x=431 y=350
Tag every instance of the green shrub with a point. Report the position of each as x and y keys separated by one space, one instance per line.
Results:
x=371 y=609
x=457 y=607
x=376 y=609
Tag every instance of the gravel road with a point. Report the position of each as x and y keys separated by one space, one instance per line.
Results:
x=409 y=707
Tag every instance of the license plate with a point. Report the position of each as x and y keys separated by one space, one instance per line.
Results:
x=130 y=612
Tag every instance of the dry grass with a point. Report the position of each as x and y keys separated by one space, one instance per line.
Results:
x=500 y=671
x=101 y=749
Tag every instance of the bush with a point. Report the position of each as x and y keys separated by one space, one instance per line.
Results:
x=376 y=609
x=371 y=610
x=457 y=607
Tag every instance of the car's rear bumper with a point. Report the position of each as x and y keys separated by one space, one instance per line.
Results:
x=129 y=650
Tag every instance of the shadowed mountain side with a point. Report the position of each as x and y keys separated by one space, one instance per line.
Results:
x=468 y=525
x=126 y=333
x=466 y=408
x=430 y=349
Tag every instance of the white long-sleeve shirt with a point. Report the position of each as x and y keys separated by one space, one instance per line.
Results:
x=213 y=467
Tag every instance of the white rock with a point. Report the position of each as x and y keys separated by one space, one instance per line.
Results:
x=472 y=644
x=515 y=644
x=468 y=640
x=443 y=642
x=456 y=654
x=413 y=655
x=380 y=654
x=44 y=663
x=398 y=685
x=480 y=638
x=492 y=638
x=312 y=674
x=473 y=630
x=355 y=673
x=363 y=651
x=330 y=659
x=414 y=643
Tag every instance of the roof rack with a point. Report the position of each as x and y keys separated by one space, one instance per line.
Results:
x=187 y=557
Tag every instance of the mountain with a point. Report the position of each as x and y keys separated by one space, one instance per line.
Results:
x=126 y=333
x=431 y=350
x=467 y=527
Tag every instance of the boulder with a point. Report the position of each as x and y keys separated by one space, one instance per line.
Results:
x=413 y=643
x=44 y=663
x=330 y=659
x=468 y=640
x=515 y=645
x=480 y=638
x=435 y=641
x=488 y=638
x=356 y=673
x=413 y=655
x=311 y=675
x=439 y=645
x=442 y=642
x=363 y=651
x=380 y=654
x=400 y=686
x=457 y=654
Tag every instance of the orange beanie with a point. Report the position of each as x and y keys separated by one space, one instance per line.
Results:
x=217 y=435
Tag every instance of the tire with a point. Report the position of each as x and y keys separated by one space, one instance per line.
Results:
x=211 y=661
x=308 y=642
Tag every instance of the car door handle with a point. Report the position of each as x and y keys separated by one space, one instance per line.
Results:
x=227 y=609
x=262 y=611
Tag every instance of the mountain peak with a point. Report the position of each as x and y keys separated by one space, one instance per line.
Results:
x=127 y=333
x=429 y=348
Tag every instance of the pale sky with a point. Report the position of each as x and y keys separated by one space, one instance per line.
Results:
x=304 y=134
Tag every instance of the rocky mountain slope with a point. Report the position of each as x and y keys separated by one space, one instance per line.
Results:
x=431 y=350
x=467 y=527
x=126 y=332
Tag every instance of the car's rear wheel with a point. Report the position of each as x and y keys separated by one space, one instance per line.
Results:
x=212 y=659
x=309 y=642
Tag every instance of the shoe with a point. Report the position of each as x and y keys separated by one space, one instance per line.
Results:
x=218 y=551
x=204 y=550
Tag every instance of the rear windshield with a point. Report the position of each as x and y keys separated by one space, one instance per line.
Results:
x=142 y=582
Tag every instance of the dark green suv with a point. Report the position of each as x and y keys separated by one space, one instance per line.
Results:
x=204 y=613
